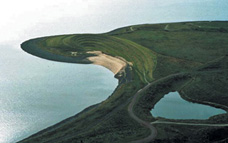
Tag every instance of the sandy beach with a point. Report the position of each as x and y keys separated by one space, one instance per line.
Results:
x=114 y=64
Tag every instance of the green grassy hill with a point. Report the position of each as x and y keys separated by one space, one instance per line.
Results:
x=197 y=50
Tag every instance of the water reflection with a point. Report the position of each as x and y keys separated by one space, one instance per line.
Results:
x=36 y=93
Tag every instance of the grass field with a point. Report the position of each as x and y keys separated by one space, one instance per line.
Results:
x=196 y=49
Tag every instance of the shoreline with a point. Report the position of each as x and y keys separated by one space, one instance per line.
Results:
x=134 y=95
x=114 y=64
x=117 y=65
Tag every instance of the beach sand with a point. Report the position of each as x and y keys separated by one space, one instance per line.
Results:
x=114 y=64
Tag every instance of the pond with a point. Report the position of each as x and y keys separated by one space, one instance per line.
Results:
x=172 y=106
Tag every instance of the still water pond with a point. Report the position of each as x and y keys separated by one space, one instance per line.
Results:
x=172 y=106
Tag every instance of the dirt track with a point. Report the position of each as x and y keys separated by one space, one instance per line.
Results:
x=143 y=123
x=189 y=124
x=153 y=130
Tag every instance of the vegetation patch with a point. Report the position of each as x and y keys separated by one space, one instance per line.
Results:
x=188 y=57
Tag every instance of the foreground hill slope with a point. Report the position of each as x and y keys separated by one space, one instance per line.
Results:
x=189 y=57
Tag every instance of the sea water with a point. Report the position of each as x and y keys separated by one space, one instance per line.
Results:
x=37 y=93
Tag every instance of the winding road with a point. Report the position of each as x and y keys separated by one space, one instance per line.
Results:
x=153 y=130
x=146 y=124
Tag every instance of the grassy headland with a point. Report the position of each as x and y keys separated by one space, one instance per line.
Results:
x=153 y=52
